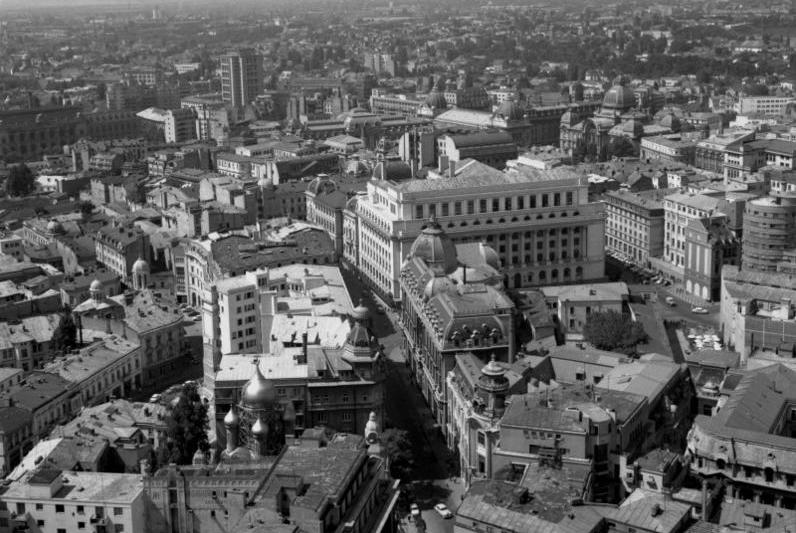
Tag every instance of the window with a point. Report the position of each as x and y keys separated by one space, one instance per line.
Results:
x=470 y=207
x=418 y=211
x=520 y=202
x=39 y=506
x=557 y=199
x=80 y=509
x=61 y=530
x=59 y=508
x=482 y=206
x=432 y=210
x=569 y=198
x=118 y=511
x=445 y=210
x=40 y=523
x=545 y=200
x=81 y=525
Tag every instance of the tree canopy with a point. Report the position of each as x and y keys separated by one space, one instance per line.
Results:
x=613 y=331
x=20 y=181
x=398 y=448
x=186 y=427
x=65 y=335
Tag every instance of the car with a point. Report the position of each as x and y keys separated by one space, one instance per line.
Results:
x=670 y=301
x=699 y=310
x=443 y=510
x=155 y=398
x=414 y=510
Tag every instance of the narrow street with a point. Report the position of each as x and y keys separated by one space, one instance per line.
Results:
x=406 y=409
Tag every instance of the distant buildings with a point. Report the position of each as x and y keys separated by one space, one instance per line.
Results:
x=241 y=77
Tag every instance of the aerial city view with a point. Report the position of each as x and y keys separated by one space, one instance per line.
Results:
x=409 y=266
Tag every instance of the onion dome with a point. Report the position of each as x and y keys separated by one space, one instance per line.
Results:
x=619 y=97
x=96 y=286
x=259 y=429
x=231 y=418
x=258 y=393
x=510 y=110
x=436 y=249
x=140 y=266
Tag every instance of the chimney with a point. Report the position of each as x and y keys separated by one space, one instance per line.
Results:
x=303 y=358
x=451 y=169
x=443 y=163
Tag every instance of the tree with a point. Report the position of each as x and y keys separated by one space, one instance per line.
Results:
x=398 y=448
x=20 y=181
x=86 y=208
x=620 y=147
x=65 y=335
x=613 y=331
x=186 y=427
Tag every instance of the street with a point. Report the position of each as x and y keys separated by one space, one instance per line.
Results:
x=405 y=408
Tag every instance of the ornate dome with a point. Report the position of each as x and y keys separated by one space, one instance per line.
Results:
x=619 y=97
x=510 y=110
x=493 y=369
x=140 y=266
x=231 y=418
x=436 y=249
x=258 y=393
x=321 y=184
x=259 y=428
x=95 y=286
x=437 y=285
x=489 y=255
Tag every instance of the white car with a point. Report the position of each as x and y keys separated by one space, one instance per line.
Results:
x=414 y=510
x=699 y=310
x=443 y=510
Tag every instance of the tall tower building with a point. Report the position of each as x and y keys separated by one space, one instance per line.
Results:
x=241 y=76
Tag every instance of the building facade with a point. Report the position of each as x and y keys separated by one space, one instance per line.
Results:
x=634 y=227
x=541 y=223
x=241 y=77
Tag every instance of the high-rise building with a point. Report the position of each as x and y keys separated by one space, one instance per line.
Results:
x=241 y=76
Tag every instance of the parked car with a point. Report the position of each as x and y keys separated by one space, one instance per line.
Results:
x=443 y=510
x=414 y=510
x=670 y=301
x=155 y=398
x=699 y=310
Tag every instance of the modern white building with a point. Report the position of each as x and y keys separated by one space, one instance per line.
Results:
x=764 y=105
x=540 y=222
x=53 y=501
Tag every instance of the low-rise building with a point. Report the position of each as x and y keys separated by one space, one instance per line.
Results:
x=573 y=304
x=493 y=149
x=53 y=501
x=749 y=440
x=672 y=148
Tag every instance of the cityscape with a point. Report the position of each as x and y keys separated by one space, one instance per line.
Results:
x=397 y=266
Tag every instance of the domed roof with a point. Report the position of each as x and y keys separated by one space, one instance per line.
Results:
x=437 y=285
x=493 y=369
x=258 y=393
x=359 y=336
x=489 y=255
x=619 y=97
x=321 y=184
x=140 y=266
x=259 y=428
x=231 y=418
x=436 y=100
x=436 y=249
x=95 y=286
x=351 y=203
x=510 y=110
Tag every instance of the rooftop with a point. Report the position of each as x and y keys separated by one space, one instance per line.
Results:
x=88 y=487
x=91 y=360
